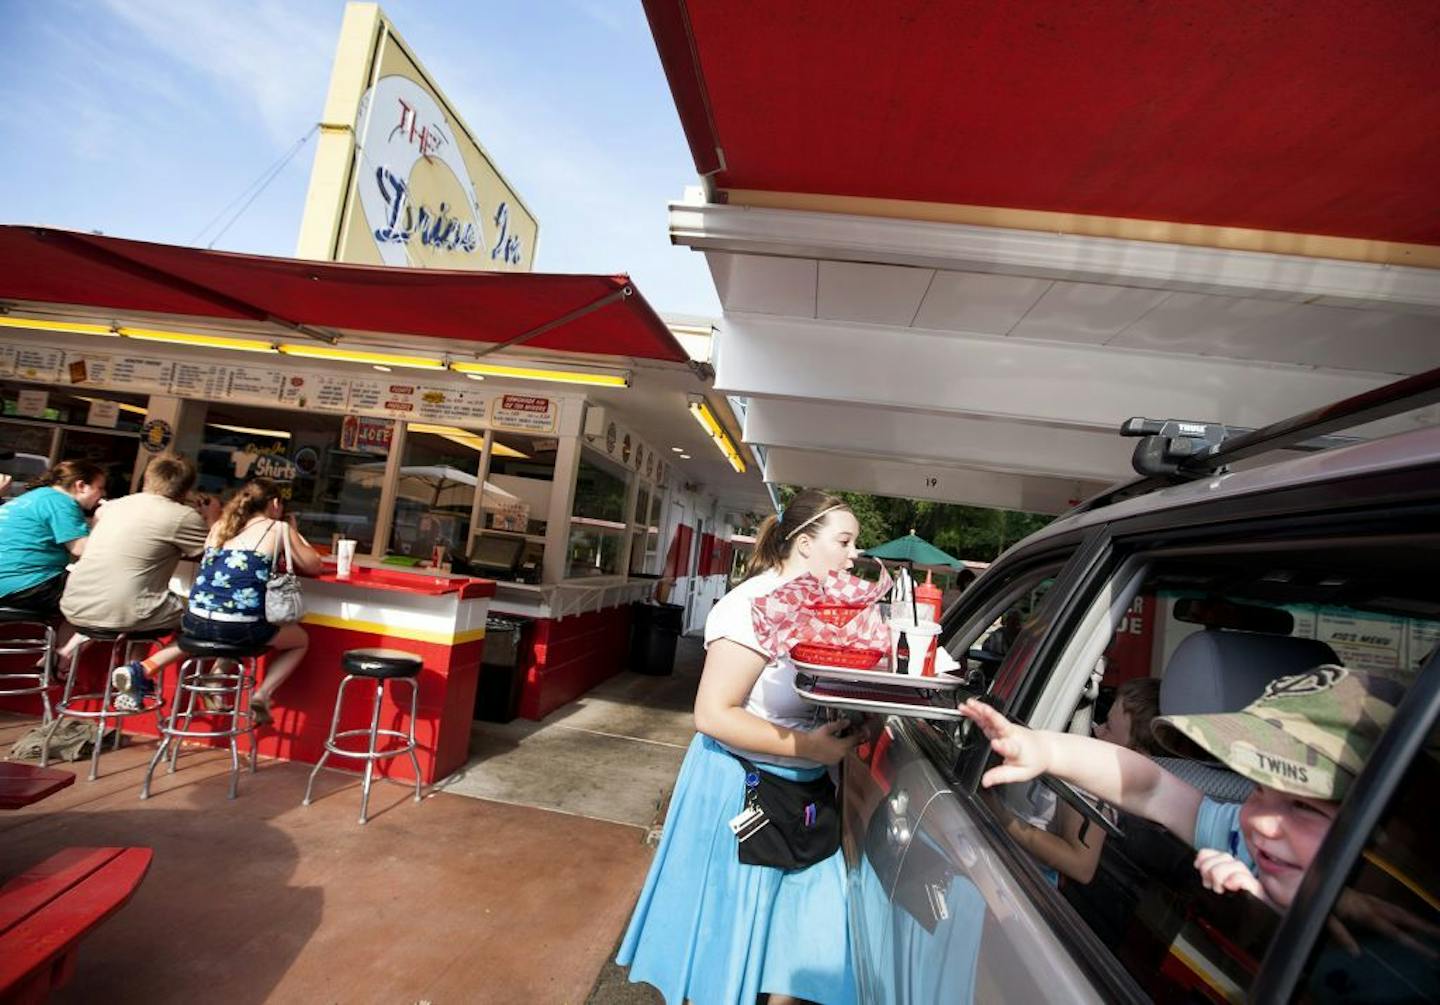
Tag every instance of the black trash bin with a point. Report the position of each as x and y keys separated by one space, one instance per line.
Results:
x=497 y=698
x=654 y=630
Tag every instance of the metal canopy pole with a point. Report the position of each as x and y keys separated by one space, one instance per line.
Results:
x=564 y=319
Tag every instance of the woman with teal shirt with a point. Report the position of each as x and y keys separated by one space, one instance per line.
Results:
x=42 y=531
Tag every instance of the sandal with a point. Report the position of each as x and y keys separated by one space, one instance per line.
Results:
x=260 y=711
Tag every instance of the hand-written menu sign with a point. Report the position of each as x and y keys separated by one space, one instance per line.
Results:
x=200 y=380
x=255 y=383
x=524 y=413
x=328 y=394
x=37 y=363
x=31 y=404
x=103 y=412
x=449 y=404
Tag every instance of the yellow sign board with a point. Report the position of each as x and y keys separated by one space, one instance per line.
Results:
x=398 y=178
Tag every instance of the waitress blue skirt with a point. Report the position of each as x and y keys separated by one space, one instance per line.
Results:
x=713 y=931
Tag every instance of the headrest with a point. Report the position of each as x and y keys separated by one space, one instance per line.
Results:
x=1217 y=612
x=1223 y=671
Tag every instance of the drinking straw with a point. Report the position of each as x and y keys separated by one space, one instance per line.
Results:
x=914 y=604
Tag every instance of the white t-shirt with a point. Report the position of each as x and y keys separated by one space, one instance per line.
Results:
x=773 y=697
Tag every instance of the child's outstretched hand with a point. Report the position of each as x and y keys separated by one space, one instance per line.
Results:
x=1023 y=749
x=1222 y=872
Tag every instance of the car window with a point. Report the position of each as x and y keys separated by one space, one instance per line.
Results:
x=1382 y=942
x=984 y=642
x=1204 y=632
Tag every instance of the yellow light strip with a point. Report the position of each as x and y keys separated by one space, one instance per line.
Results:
x=360 y=356
x=73 y=327
x=188 y=338
x=466 y=438
x=701 y=410
x=279 y=434
x=594 y=378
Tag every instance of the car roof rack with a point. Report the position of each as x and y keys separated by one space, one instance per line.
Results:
x=1174 y=451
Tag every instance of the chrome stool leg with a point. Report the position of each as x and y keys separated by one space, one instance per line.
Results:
x=370 y=750
x=410 y=740
x=329 y=739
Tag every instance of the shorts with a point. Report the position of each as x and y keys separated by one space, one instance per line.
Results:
x=248 y=634
x=43 y=599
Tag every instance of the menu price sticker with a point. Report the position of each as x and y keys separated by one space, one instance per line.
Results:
x=36 y=363
x=524 y=413
x=255 y=383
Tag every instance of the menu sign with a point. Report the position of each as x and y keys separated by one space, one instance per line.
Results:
x=365 y=435
x=140 y=373
x=256 y=383
x=31 y=404
x=87 y=369
x=7 y=360
x=524 y=413
x=391 y=397
x=103 y=412
x=449 y=404
x=328 y=394
x=200 y=380
x=35 y=363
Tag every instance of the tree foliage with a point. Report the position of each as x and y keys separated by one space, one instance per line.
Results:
x=967 y=532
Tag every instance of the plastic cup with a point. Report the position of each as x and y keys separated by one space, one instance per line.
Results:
x=344 y=557
x=919 y=640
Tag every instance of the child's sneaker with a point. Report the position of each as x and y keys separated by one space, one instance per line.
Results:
x=130 y=687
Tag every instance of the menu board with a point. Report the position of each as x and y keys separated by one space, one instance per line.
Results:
x=7 y=360
x=200 y=380
x=37 y=363
x=141 y=373
x=525 y=413
x=328 y=394
x=449 y=404
x=255 y=383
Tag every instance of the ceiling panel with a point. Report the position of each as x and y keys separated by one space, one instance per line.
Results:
x=764 y=284
x=1086 y=312
x=877 y=294
x=971 y=302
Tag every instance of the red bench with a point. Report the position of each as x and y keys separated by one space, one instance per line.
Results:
x=23 y=784
x=47 y=910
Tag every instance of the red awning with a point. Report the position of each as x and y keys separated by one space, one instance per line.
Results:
x=1302 y=116
x=62 y=267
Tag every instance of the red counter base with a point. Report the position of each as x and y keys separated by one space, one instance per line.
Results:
x=566 y=658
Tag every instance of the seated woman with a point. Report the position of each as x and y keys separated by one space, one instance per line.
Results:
x=227 y=599
x=41 y=531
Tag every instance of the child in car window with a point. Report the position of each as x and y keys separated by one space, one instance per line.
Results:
x=1302 y=742
x=1069 y=846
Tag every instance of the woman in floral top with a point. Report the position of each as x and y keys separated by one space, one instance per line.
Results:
x=227 y=599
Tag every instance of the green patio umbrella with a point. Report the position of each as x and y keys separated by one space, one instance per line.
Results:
x=916 y=551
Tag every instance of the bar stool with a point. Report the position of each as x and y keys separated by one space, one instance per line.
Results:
x=123 y=643
x=207 y=677
x=382 y=666
x=31 y=680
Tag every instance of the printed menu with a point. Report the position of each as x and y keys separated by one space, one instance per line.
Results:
x=328 y=394
x=200 y=380
x=255 y=383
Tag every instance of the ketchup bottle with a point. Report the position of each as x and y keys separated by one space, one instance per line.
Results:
x=927 y=602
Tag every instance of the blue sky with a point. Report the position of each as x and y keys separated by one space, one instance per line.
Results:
x=145 y=118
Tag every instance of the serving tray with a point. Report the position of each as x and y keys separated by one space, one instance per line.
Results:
x=884 y=677
x=881 y=700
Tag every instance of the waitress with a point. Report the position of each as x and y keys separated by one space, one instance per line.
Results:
x=707 y=928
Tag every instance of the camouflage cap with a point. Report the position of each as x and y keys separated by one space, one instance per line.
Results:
x=1309 y=734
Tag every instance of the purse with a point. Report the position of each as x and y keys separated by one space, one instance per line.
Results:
x=284 y=602
x=786 y=824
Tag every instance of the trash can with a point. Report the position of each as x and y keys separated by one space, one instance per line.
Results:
x=497 y=698
x=654 y=630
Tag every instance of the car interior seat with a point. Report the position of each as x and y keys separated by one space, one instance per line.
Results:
x=1219 y=670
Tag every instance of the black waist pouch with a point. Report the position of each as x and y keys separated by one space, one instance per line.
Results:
x=798 y=822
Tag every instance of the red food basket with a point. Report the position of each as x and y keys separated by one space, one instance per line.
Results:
x=838 y=615
x=836 y=656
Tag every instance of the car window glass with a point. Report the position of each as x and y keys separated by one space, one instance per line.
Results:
x=986 y=640
x=1214 y=629
x=1382 y=942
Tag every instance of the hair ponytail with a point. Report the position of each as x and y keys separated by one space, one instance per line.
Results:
x=807 y=512
x=252 y=499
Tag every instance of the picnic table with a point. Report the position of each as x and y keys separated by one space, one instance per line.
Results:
x=47 y=910
x=23 y=784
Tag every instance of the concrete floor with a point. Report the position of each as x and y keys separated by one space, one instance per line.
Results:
x=518 y=896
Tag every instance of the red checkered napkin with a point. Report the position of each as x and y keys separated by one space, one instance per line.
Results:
x=784 y=617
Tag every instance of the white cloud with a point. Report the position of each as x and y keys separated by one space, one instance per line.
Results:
x=274 y=58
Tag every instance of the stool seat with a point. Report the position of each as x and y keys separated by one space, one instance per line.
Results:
x=219 y=650
x=381 y=663
x=10 y=615
x=134 y=634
